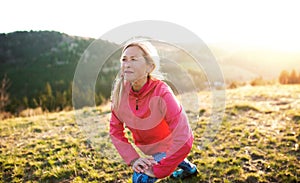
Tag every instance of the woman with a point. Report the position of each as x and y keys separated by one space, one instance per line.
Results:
x=148 y=108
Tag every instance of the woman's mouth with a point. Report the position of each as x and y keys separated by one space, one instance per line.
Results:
x=128 y=72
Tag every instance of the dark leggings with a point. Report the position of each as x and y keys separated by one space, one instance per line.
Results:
x=143 y=178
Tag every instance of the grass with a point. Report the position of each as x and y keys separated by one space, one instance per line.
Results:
x=257 y=141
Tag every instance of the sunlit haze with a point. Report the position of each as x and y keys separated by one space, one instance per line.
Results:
x=271 y=24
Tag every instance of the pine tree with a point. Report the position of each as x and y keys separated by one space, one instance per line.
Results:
x=284 y=77
x=25 y=102
x=4 y=95
x=47 y=98
x=293 y=77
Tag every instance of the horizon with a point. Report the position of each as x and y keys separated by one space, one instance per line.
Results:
x=229 y=46
x=251 y=62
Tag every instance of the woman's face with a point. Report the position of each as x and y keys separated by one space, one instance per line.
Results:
x=133 y=64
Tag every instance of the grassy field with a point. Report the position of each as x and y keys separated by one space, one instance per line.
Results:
x=258 y=141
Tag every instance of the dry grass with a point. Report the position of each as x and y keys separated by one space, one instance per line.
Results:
x=257 y=141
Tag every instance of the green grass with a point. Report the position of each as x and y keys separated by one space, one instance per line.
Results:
x=258 y=141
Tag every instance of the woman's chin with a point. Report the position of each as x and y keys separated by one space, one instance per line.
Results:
x=129 y=79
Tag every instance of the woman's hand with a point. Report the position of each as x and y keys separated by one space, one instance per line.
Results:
x=143 y=165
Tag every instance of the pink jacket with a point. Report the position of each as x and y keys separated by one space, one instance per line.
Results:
x=157 y=122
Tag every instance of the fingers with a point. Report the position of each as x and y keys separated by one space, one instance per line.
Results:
x=142 y=164
x=138 y=169
x=152 y=161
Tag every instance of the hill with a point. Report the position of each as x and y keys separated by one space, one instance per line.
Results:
x=33 y=59
x=257 y=141
x=258 y=62
x=41 y=66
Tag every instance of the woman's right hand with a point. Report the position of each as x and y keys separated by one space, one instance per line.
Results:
x=142 y=164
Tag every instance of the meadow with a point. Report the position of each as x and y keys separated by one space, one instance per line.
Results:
x=257 y=141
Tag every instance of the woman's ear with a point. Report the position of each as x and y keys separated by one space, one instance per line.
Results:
x=150 y=68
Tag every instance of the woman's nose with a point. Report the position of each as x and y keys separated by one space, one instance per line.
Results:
x=126 y=64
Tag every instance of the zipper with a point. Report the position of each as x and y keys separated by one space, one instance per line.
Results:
x=136 y=104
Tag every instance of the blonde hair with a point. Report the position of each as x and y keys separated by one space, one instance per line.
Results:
x=151 y=56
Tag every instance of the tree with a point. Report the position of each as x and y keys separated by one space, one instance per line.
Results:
x=25 y=102
x=46 y=99
x=293 y=77
x=4 y=95
x=284 y=77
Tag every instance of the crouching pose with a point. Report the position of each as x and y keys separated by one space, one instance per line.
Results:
x=146 y=105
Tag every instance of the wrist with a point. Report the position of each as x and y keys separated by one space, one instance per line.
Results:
x=132 y=161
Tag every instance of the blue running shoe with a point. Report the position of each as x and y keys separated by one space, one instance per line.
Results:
x=186 y=169
x=181 y=174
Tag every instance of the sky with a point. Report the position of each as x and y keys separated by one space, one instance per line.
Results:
x=269 y=24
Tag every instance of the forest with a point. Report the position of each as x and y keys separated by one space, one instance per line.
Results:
x=37 y=69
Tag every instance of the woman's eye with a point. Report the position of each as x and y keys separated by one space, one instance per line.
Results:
x=131 y=59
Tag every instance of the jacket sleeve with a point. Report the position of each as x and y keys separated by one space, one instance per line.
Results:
x=123 y=146
x=182 y=137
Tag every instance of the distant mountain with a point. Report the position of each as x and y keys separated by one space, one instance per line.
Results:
x=249 y=62
x=233 y=73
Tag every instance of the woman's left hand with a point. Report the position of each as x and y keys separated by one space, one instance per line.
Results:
x=143 y=164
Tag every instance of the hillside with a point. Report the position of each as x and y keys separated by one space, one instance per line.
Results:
x=259 y=62
x=236 y=73
x=33 y=59
x=41 y=66
x=258 y=141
